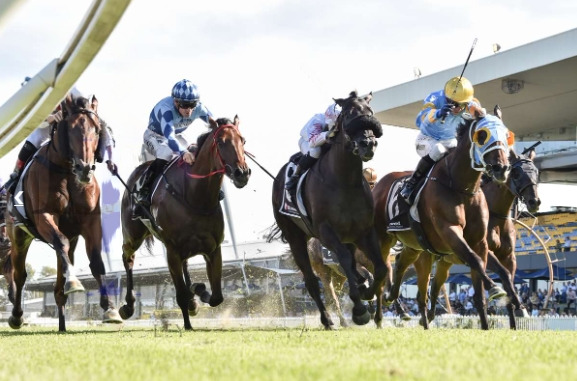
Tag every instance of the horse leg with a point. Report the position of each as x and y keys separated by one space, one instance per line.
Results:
x=93 y=241
x=474 y=259
x=479 y=299
x=298 y=245
x=214 y=274
x=441 y=275
x=60 y=298
x=192 y=304
x=369 y=244
x=513 y=301
x=336 y=285
x=423 y=266
x=404 y=259
x=183 y=294
x=14 y=271
x=129 y=247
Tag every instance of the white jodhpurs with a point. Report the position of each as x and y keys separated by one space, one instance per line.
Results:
x=157 y=145
x=436 y=149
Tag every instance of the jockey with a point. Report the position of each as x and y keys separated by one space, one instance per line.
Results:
x=442 y=112
x=371 y=176
x=169 y=118
x=313 y=135
x=41 y=135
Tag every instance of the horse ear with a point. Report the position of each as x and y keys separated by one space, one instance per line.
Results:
x=531 y=154
x=497 y=112
x=236 y=121
x=94 y=104
x=212 y=123
x=67 y=104
x=339 y=101
x=369 y=97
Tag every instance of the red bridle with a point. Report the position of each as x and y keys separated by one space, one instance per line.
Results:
x=213 y=147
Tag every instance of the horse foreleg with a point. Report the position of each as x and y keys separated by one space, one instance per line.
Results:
x=183 y=294
x=479 y=299
x=214 y=274
x=441 y=275
x=93 y=250
x=128 y=250
x=404 y=259
x=15 y=270
x=298 y=246
x=423 y=267
x=345 y=254
x=60 y=298
x=514 y=302
x=192 y=304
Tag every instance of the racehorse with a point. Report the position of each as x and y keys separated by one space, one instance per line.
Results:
x=521 y=185
x=188 y=216
x=62 y=200
x=452 y=210
x=339 y=206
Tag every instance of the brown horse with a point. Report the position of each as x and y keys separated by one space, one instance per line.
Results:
x=452 y=209
x=61 y=198
x=502 y=234
x=188 y=216
x=339 y=206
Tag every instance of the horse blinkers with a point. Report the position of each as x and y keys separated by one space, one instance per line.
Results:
x=484 y=144
x=524 y=178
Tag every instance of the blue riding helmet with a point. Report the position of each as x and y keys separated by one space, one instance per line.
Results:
x=185 y=91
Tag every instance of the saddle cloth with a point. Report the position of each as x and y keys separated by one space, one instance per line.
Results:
x=290 y=207
x=397 y=209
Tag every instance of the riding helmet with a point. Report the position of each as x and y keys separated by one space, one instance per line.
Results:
x=459 y=90
x=185 y=91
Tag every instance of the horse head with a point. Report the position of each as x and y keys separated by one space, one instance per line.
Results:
x=489 y=147
x=360 y=127
x=229 y=145
x=77 y=136
x=524 y=178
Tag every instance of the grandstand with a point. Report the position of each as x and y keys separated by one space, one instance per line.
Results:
x=560 y=224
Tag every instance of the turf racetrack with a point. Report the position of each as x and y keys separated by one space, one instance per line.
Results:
x=127 y=353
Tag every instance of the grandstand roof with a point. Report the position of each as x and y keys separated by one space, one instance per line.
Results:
x=544 y=109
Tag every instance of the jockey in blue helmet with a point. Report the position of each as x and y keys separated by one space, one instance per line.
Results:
x=163 y=139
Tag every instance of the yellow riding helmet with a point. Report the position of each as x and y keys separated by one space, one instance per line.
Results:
x=459 y=90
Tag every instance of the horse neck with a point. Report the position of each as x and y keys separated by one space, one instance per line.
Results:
x=204 y=180
x=499 y=198
x=463 y=177
x=345 y=168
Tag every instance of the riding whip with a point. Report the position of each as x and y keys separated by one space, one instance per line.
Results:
x=462 y=72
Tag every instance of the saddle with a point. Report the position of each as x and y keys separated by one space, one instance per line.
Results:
x=404 y=217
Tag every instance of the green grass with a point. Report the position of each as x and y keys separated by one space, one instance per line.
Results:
x=292 y=354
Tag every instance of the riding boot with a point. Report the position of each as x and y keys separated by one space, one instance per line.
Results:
x=26 y=152
x=304 y=164
x=423 y=167
x=142 y=194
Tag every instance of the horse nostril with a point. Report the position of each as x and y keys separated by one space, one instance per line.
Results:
x=237 y=173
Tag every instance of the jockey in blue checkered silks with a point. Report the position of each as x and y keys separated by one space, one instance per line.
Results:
x=163 y=139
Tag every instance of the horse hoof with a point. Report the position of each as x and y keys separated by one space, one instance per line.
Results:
x=214 y=301
x=15 y=322
x=126 y=312
x=496 y=292
x=73 y=285
x=198 y=288
x=112 y=316
x=361 y=319
x=521 y=312
x=405 y=316
x=205 y=297
x=192 y=307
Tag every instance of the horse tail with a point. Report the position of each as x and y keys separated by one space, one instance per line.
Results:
x=275 y=233
x=148 y=243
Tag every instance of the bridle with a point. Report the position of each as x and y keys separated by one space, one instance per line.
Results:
x=225 y=168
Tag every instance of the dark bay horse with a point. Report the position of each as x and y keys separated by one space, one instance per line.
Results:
x=502 y=234
x=339 y=206
x=452 y=210
x=332 y=276
x=188 y=215
x=62 y=200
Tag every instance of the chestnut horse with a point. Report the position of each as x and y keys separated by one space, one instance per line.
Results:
x=61 y=198
x=188 y=216
x=452 y=210
x=339 y=206
x=502 y=234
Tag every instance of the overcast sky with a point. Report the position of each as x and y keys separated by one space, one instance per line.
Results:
x=273 y=62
